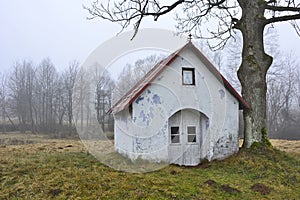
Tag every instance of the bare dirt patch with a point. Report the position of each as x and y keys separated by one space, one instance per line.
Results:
x=211 y=183
x=226 y=188
x=55 y=192
x=261 y=188
x=229 y=189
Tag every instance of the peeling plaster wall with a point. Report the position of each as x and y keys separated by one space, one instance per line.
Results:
x=227 y=142
x=144 y=132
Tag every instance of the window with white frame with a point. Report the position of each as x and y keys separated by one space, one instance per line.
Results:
x=175 y=137
x=188 y=76
x=191 y=134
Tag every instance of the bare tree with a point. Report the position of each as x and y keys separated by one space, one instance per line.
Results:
x=69 y=77
x=60 y=100
x=282 y=94
x=20 y=87
x=104 y=87
x=289 y=89
x=298 y=88
x=275 y=103
x=132 y=73
x=85 y=92
x=250 y=17
x=81 y=98
x=45 y=93
x=3 y=100
x=30 y=77
x=233 y=61
x=38 y=97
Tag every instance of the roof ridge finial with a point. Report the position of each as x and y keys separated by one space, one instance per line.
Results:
x=190 y=37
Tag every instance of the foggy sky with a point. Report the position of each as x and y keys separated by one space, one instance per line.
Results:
x=36 y=29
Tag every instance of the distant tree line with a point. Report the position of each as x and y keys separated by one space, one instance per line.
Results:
x=41 y=99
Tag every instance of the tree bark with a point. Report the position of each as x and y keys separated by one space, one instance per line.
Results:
x=253 y=70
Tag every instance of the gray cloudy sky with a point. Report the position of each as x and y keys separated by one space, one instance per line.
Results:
x=58 y=29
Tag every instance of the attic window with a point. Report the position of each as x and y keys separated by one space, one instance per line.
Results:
x=188 y=76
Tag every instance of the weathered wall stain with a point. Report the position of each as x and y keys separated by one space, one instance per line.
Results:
x=156 y=99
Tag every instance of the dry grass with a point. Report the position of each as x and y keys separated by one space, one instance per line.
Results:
x=290 y=146
x=43 y=168
x=31 y=143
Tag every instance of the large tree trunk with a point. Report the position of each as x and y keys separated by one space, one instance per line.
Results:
x=253 y=70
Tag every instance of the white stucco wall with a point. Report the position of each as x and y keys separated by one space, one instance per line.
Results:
x=144 y=132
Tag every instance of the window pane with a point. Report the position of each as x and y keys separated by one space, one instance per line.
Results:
x=191 y=130
x=175 y=134
x=175 y=138
x=174 y=130
x=188 y=76
x=191 y=138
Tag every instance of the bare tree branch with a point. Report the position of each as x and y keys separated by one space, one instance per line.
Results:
x=283 y=8
x=132 y=12
x=283 y=18
x=296 y=27
x=197 y=12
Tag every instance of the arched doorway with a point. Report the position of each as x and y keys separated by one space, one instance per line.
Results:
x=186 y=129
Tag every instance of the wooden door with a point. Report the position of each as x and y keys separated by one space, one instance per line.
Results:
x=184 y=132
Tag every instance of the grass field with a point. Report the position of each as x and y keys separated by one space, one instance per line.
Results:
x=34 y=167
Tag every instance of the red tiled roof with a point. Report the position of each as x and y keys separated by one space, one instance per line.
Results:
x=141 y=85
